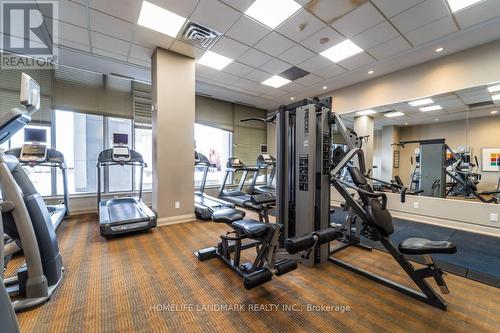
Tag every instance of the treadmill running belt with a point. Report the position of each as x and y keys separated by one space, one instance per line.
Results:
x=127 y=212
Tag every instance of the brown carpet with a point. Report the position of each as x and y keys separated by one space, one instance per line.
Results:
x=151 y=282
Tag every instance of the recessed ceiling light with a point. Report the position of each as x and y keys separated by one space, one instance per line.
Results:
x=159 y=19
x=341 y=51
x=421 y=102
x=406 y=124
x=394 y=114
x=456 y=5
x=495 y=88
x=276 y=81
x=439 y=49
x=325 y=87
x=496 y=97
x=292 y=98
x=366 y=112
x=214 y=60
x=494 y=112
x=272 y=13
x=436 y=119
x=371 y=72
x=431 y=108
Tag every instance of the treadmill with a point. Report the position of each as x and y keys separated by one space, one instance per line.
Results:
x=205 y=205
x=35 y=153
x=264 y=162
x=257 y=202
x=125 y=214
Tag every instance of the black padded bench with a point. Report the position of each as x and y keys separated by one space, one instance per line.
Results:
x=252 y=228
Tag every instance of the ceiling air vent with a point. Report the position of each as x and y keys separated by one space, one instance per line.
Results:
x=200 y=36
x=481 y=104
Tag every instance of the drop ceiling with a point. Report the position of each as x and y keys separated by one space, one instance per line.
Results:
x=104 y=36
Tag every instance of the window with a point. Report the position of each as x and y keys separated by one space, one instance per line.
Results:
x=40 y=176
x=79 y=137
x=144 y=146
x=215 y=144
x=119 y=177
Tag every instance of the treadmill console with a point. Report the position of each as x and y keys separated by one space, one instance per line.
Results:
x=33 y=153
x=121 y=154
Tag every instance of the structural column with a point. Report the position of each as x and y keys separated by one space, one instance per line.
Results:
x=363 y=125
x=173 y=79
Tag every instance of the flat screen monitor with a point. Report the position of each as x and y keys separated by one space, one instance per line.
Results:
x=35 y=135
x=120 y=139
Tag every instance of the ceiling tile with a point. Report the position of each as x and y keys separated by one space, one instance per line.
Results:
x=359 y=60
x=73 y=13
x=215 y=15
x=125 y=9
x=378 y=34
x=254 y=58
x=247 y=31
x=140 y=53
x=330 y=37
x=292 y=87
x=300 y=26
x=241 y=5
x=229 y=47
x=238 y=69
x=329 y=10
x=360 y=19
x=260 y=88
x=275 y=66
x=391 y=8
x=274 y=44
x=329 y=71
x=107 y=43
x=183 y=8
x=225 y=78
x=244 y=83
x=478 y=13
x=258 y=76
x=73 y=33
x=111 y=26
x=432 y=31
x=315 y=63
x=138 y=62
x=389 y=48
x=74 y=45
x=151 y=39
x=276 y=92
x=109 y=54
x=296 y=55
x=186 y=49
x=420 y=15
x=309 y=80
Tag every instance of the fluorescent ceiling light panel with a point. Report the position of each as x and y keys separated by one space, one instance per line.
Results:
x=493 y=89
x=156 y=18
x=496 y=97
x=431 y=108
x=276 y=81
x=394 y=114
x=457 y=5
x=421 y=102
x=341 y=51
x=272 y=12
x=214 y=60
x=366 y=112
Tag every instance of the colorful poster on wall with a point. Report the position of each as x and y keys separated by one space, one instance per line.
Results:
x=491 y=159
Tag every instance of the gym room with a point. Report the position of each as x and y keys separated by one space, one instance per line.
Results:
x=250 y=165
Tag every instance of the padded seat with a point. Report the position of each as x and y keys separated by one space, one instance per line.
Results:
x=227 y=215
x=252 y=228
x=419 y=246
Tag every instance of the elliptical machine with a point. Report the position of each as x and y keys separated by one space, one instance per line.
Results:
x=27 y=220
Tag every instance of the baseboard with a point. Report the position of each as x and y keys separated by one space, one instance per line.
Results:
x=163 y=221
